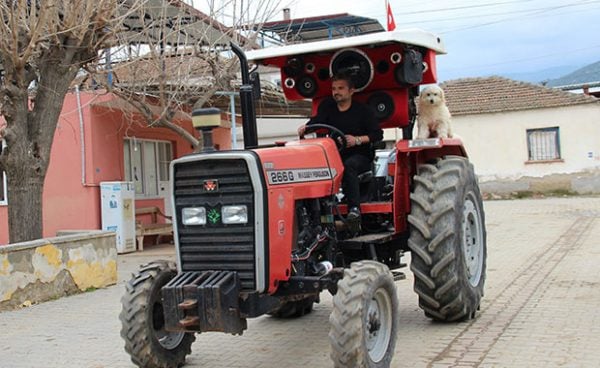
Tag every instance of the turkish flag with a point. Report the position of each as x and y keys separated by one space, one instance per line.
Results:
x=391 y=25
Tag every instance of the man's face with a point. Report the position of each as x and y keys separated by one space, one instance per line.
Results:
x=341 y=92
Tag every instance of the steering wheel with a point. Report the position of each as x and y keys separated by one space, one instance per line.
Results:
x=332 y=132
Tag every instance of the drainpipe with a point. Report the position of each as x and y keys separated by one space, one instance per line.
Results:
x=82 y=139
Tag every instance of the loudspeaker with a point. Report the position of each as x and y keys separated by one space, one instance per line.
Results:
x=390 y=106
x=382 y=67
x=355 y=63
x=383 y=104
x=410 y=71
x=293 y=67
x=323 y=74
x=306 y=86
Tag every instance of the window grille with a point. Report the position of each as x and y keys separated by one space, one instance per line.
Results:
x=543 y=144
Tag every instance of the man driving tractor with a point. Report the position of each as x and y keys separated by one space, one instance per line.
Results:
x=357 y=121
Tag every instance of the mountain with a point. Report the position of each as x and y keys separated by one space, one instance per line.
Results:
x=588 y=74
x=542 y=75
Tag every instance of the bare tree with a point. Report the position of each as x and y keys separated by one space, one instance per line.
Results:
x=43 y=44
x=178 y=58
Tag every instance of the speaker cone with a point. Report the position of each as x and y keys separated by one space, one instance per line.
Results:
x=355 y=63
x=289 y=82
x=323 y=74
x=396 y=58
x=382 y=103
x=307 y=86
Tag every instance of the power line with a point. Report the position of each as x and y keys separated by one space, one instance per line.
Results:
x=561 y=52
x=532 y=13
x=487 y=15
x=464 y=7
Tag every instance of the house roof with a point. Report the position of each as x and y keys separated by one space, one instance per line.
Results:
x=497 y=94
x=588 y=75
x=321 y=27
x=186 y=25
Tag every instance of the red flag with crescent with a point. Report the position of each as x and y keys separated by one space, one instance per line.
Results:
x=391 y=24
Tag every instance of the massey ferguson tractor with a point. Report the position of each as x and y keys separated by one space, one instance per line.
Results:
x=263 y=230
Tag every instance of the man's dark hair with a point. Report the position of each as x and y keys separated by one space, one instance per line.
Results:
x=344 y=77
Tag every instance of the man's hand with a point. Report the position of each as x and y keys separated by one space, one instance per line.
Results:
x=350 y=140
x=301 y=130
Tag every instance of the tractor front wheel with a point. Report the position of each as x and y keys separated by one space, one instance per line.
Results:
x=142 y=319
x=364 y=320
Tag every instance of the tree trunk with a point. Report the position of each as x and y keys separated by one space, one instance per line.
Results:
x=25 y=205
x=29 y=133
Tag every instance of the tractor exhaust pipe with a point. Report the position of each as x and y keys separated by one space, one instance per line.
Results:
x=246 y=101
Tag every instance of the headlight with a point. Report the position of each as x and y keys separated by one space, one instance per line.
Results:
x=234 y=214
x=193 y=216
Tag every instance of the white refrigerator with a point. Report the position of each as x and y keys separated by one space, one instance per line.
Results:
x=118 y=212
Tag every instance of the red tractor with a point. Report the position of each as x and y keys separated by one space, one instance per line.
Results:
x=263 y=230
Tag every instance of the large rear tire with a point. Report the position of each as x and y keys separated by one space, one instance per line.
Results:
x=447 y=239
x=364 y=320
x=142 y=319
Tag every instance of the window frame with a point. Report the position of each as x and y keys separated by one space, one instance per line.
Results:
x=4 y=198
x=156 y=160
x=531 y=154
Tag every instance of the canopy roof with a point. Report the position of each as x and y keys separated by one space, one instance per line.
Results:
x=320 y=28
x=412 y=36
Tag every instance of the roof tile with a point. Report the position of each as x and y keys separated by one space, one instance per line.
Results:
x=497 y=94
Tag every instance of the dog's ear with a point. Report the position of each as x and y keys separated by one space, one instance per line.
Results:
x=443 y=95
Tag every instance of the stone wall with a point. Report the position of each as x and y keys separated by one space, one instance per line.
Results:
x=587 y=182
x=46 y=269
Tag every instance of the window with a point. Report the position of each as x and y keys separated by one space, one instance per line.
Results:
x=147 y=164
x=543 y=144
x=2 y=177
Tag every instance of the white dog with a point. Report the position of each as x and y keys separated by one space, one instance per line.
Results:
x=434 y=117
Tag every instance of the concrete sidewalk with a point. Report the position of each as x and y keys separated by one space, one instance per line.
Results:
x=540 y=309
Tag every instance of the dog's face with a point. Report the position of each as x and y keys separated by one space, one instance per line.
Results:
x=432 y=96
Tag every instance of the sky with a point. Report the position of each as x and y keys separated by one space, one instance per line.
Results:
x=489 y=37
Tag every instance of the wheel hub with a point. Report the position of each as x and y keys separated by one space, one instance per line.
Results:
x=168 y=340
x=472 y=241
x=378 y=325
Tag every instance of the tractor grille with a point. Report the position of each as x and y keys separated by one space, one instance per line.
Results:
x=216 y=246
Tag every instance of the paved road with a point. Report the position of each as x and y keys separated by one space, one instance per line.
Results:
x=541 y=309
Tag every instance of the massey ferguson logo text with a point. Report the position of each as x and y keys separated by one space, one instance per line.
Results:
x=297 y=175
x=211 y=185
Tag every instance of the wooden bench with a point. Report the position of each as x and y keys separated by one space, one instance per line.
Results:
x=154 y=227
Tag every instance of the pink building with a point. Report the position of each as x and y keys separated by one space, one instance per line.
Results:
x=100 y=138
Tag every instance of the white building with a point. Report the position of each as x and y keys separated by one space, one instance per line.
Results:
x=526 y=137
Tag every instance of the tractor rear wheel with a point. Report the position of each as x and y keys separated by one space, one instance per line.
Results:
x=447 y=239
x=364 y=320
x=142 y=319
